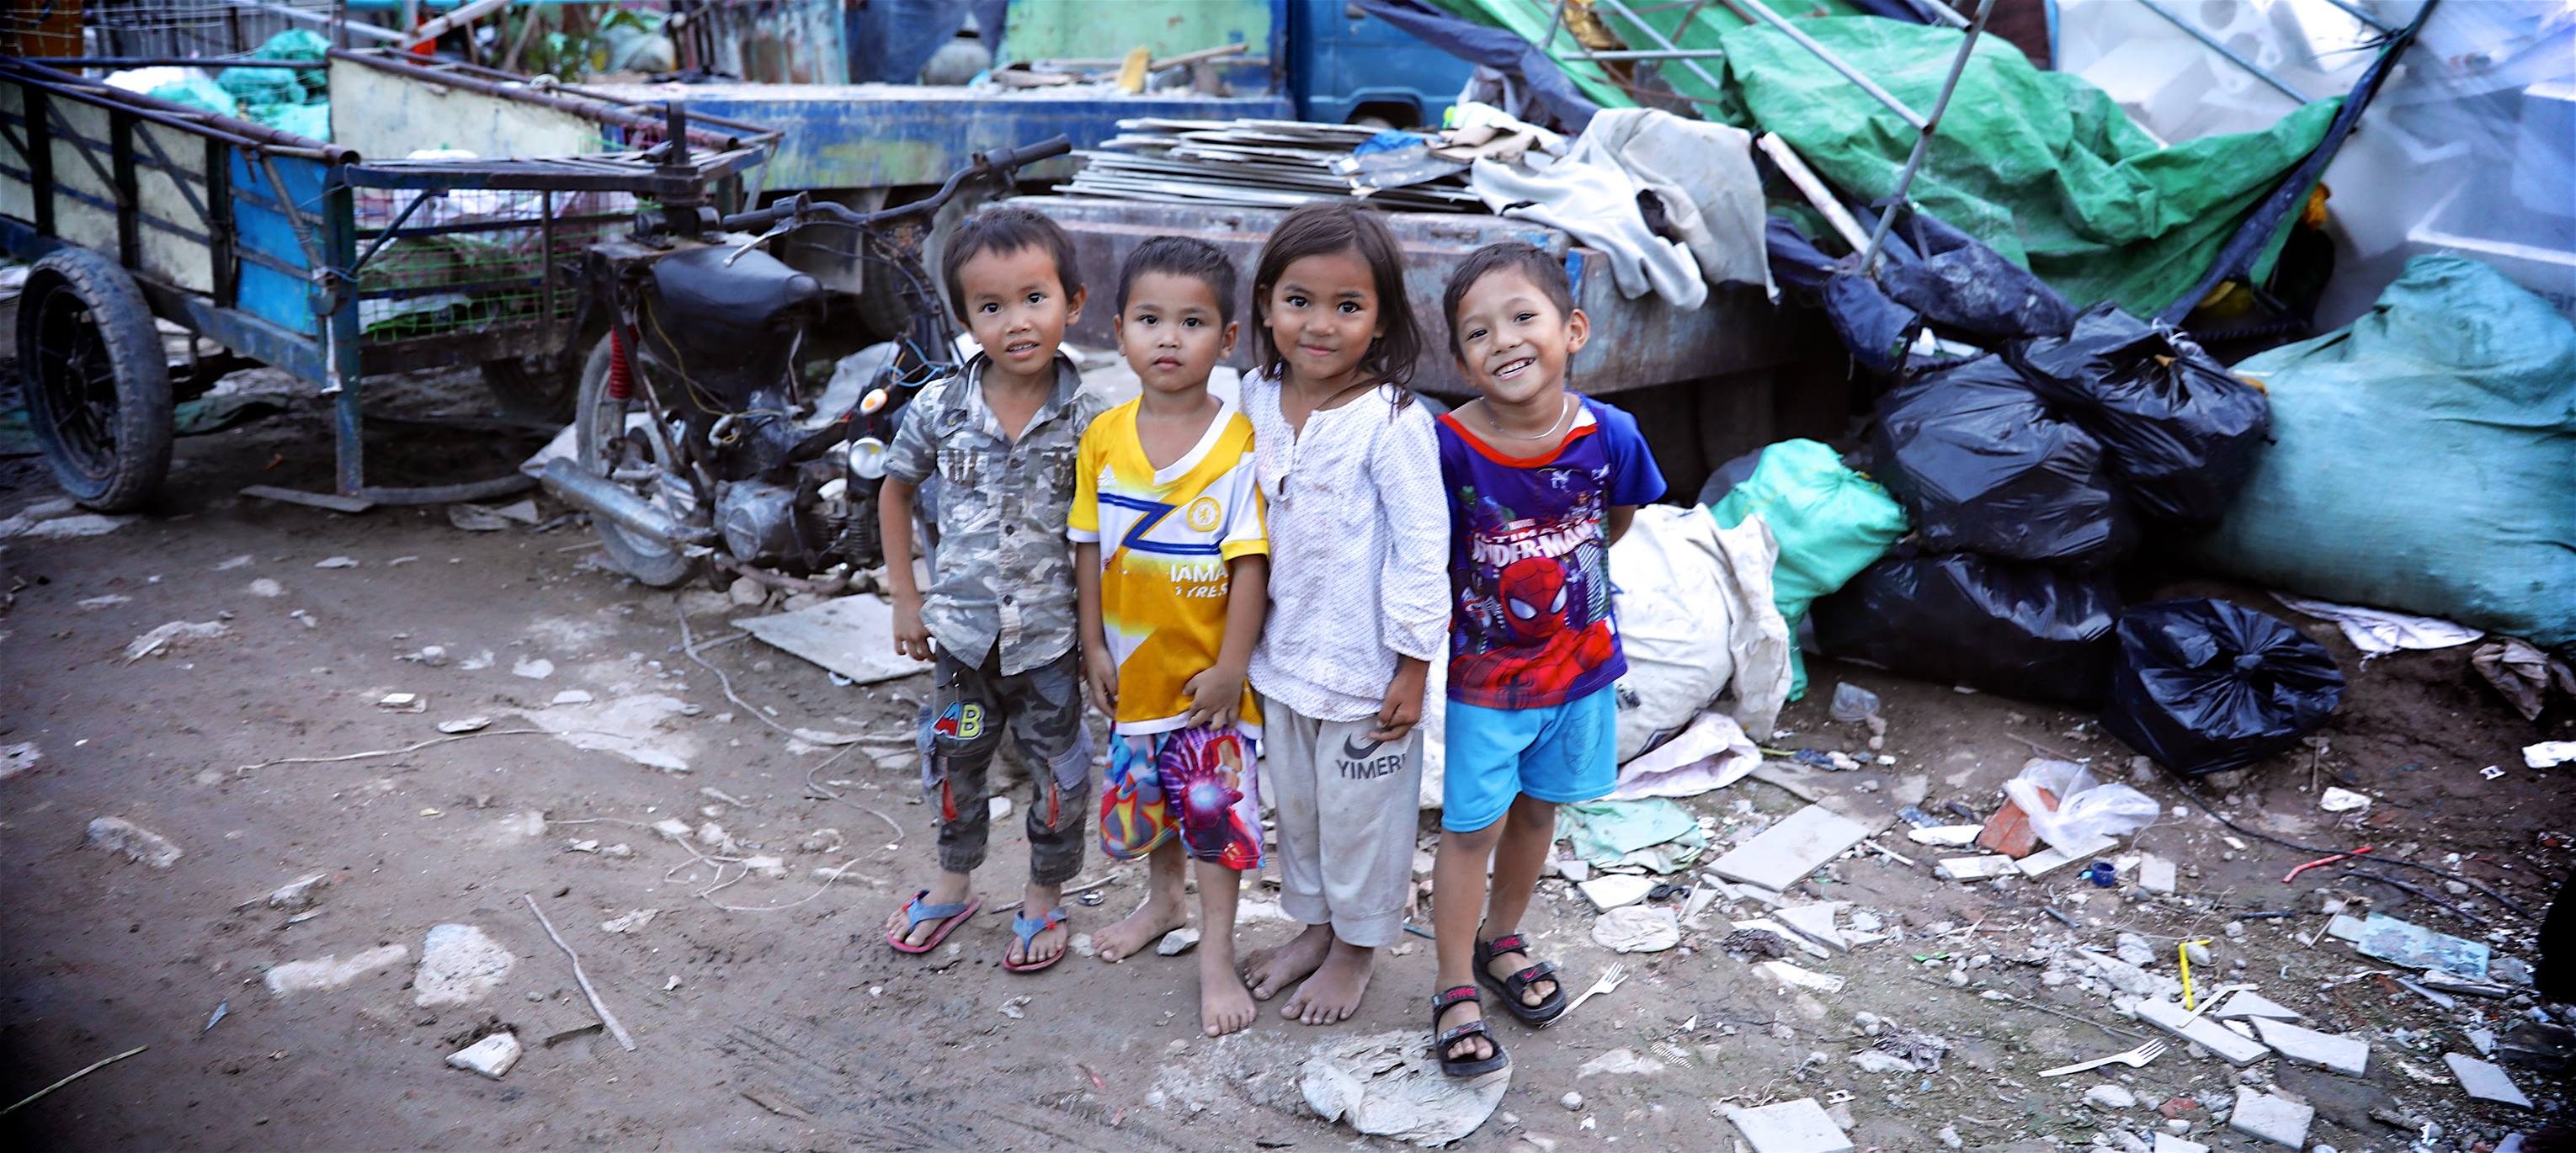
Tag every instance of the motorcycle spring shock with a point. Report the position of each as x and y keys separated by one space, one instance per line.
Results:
x=621 y=376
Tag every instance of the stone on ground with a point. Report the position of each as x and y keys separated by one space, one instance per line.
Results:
x=142 y=845
x=458 y=965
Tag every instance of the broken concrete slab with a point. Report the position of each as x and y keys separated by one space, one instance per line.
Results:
x=458 y=965
x=2046 y=860
x=1797 y=978
x=2341 y=1052
x=1795 y=846
x=2275 y=1119
x=852 y=636
x=139 y=844
x=329 y=972
x=1798 y=1126
x=1815 y=923
x=2484 y=1080
x=1612 y=890
x=2156 y=874
x=2250 y=1005
x=1949 y=836
x=324 y=500
x=492 y=1056
x=1976 y=868
x=2168 y=1143
x=2236 y=1048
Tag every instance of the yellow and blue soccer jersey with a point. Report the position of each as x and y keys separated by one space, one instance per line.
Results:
x=1165 y=536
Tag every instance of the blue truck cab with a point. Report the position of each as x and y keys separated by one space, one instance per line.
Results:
x=1345 y=66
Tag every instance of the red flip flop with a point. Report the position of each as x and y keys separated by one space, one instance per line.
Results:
x=949 y=917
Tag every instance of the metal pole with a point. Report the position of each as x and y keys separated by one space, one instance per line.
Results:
x=1821 y=52
x=1661 y=42
x=1945 y=13
x=1923 y=142
x=1655 y=54
x=1555 y=20
x=2197 y=33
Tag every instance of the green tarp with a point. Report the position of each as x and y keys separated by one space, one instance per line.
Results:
x=2041 y=166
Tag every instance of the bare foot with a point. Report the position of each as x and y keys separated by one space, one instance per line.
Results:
x=948 y=889
x=1333 y=993
x=1269 y=970
x=1224 y=1005
x=1138 y=931
x=1050 y=942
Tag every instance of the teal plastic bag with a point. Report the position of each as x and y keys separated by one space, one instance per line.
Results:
x=1831 y=523
x=2423 y=459
x=199 y=93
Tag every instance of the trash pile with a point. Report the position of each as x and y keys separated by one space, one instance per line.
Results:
x=296 y=100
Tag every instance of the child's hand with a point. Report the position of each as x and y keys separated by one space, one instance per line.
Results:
x=1402 y=707
x=1100 y=679
x=1222 y=690
x=911 y=637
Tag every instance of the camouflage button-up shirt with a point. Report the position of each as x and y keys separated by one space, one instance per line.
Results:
x=1001 y=570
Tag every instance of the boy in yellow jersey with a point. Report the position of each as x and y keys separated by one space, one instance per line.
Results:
x=1171 y=566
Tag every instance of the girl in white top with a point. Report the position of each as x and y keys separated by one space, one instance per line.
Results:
x=1359 y=594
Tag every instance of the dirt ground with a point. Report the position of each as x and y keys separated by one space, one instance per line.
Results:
x=784 y=1023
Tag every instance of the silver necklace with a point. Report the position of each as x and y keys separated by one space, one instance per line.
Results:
x=1563 y=418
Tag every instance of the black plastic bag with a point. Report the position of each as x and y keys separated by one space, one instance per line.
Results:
x=2182 y=430
x=2027 y=631
x=1958 y=283
x=2204 y=686
x=1983 y=464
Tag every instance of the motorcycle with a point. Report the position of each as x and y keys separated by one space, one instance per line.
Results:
x=695 y=442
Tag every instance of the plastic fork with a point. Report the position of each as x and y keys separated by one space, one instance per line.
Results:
x=2133 y=1058
x=1610 y=979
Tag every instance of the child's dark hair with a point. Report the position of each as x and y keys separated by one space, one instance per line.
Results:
x=1182 y=256
x=1323 y=229
x=1544 y=271
x=1007 y=229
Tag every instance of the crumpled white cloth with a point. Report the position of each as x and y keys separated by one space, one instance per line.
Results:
x=1596 y=203
x=2378 y=632
x=1704 y=173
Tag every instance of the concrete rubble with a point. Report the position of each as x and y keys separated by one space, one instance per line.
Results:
x=458 y=965
x=138 y=844
x=492 y=1056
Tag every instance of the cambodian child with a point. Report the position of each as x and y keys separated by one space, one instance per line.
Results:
x=1359 y=608
x=1171 y=561
x=1540 y=482
x=999 y=618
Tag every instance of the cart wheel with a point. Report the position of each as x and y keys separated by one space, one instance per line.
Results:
x=97 y=385
x=600 y=431
x=542 y=387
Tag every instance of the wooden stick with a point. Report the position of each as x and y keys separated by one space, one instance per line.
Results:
x=605 y=1017
x=456 y=19
x=1795 y=168
x=92 y=1068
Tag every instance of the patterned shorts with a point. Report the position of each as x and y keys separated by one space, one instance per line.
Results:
x=1196 y=783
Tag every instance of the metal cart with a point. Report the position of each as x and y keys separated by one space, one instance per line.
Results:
x=444 y=226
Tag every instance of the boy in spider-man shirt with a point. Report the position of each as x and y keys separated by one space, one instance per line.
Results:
x=1540 y=482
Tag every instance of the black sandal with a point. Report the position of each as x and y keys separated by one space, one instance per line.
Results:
x=1510 y=988
x=1445 y=1040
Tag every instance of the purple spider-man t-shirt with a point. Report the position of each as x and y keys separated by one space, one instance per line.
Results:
x=1530 y=624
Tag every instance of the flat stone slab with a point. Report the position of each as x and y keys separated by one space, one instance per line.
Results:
x=2250 y=1005
x=1976 y=868
x=1798 y=1126
x=852 y=636
x=2168 y=1143
x=2237 y=1048
x=2484 y=1080
x=1785 y=853
x=2341 y=1052
x=1795 y=977
x=2278 y=1120
x=2047 y=860
x=2156 y=875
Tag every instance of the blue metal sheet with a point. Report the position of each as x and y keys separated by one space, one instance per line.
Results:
x=274 y=296
x=889 y=135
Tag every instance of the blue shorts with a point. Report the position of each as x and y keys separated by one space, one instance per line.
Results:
x=1564 y=754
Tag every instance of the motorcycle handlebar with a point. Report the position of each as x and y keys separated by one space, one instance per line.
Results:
x=998 y=162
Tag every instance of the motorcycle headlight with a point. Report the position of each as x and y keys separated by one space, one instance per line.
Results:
x=868 y=458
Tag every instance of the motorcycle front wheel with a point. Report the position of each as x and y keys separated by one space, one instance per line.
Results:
x=606 y=445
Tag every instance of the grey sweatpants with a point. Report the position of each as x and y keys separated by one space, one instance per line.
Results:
x=1346 y=809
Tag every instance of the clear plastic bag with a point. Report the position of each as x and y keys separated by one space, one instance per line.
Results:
x=2085 y=809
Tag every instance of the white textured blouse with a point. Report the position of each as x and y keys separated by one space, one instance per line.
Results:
x=1359 y=549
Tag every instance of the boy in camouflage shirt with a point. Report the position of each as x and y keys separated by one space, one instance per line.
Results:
x=998 y=618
